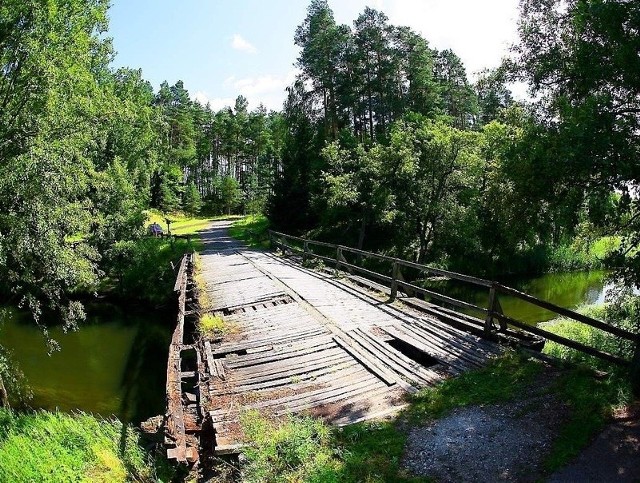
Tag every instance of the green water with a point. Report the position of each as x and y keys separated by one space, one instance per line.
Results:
x=568 y=290
x=114 y=365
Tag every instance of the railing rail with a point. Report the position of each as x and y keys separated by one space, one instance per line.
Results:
x=493 y=312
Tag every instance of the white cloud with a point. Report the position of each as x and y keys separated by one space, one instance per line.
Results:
x=479 y=32
x=216 y=103
x=238 y=42
x=266 y=89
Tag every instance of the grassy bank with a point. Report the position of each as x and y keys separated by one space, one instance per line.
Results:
x=252 y=230
x=623 y=315
x=45 y=446
x=304 y=449
x=580 y=255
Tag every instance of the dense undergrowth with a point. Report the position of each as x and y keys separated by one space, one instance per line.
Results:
x=44 y=446
x=624 y=314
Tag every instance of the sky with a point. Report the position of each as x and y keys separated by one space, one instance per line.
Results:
x=223 y=48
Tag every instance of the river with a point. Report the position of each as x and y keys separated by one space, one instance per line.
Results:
x=114 y=365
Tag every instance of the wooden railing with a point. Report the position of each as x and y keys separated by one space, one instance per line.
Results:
x=335 y=255
x=175 y=425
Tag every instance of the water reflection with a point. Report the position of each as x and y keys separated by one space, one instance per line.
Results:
x=115 y=364
x=568 y=290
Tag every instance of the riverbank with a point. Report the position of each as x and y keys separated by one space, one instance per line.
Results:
x=44 y=446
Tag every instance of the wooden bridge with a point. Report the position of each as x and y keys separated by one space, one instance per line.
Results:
x=346 y=341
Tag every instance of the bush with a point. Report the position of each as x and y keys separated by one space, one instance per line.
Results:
x=623 y=314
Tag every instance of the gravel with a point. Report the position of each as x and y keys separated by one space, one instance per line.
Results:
x=505 y=442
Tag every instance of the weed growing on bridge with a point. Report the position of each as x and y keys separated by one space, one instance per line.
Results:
x=211 y=326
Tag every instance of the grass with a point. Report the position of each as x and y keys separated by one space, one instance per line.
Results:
x=304 y=449
x=44 y=446
x=182 y=224
x=590 y=336
x=591 y=402
x=211 y=326
x=579 y=255
x=298 y=448
x=252 y=230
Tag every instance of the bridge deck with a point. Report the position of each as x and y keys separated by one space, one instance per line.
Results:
x=304 y=341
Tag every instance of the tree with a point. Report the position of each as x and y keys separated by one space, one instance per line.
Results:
x=49 y=123
x=230 y=194
x=433 y=168
x=354 y=189
x=457 y=96
x=581 y=58
x=192 y=202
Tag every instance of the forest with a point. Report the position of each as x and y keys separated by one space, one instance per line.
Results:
x=383 y=143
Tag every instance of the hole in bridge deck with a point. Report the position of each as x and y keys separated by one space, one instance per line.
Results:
x=188 y=360
x=412 y=353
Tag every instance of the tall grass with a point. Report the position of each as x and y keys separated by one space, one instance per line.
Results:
x=622 y=316
x=579 y=255
x=44 y=446
x=252 y=230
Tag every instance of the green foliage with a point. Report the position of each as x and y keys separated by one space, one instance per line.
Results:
x=192 y=202
x=501 y=380
x=252 y=230
x=292 y=449
x=624 y=314
x=591 y=402
x=211 y=326
x=46 y=446
x=142 y=269
x=13 y=379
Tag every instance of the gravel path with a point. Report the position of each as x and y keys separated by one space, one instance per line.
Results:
x=505 y=442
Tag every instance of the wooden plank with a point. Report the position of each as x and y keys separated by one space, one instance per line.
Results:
x=227 y=349
x=346 y=393
x=412 y=369
x=428 y=349
x=213 y=370
x=442 y=298
x=445 y=345
x=327 y=383
x=374 y=366
x=181 y=278
x=302 y=376
x=279 y=370
x=290 y=353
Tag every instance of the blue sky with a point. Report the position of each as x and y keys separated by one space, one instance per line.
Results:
x=223 y=48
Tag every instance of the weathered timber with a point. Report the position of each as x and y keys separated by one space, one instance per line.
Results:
x=493 y=311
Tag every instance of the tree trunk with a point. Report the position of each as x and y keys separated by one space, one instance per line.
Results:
x=363 y=226
x=4 y=397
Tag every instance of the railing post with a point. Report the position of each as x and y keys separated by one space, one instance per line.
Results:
x=338 y=257
x=306 y=251
x=488 y=321
x=394 y=281
x=634 y=370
